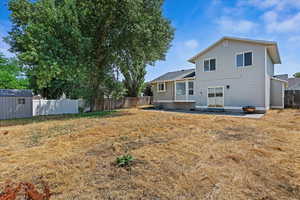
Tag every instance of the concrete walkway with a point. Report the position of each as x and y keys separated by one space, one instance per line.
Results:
x=225 y=114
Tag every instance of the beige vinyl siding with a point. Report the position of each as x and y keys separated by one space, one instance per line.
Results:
x=277 y=94
x=247 y=84
x=163 y=96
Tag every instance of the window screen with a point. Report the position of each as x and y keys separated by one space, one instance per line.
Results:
x=191 y=88
x=240 y=60
x=212 y=64
x=248 y=59
x=206 y=65
x=180 y=88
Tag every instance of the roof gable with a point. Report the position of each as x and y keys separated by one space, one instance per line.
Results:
x=272 y=48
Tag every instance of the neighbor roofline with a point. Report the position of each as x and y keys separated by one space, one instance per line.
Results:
x=277 y=79
x=261 y=42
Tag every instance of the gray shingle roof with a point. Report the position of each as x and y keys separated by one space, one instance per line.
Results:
x=177 y=75
x=15 y=93
x=284 y=77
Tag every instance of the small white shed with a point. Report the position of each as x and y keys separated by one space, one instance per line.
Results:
x=15 y=104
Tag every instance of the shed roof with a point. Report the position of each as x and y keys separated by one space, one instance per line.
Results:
x=176 y=75
x=15 y=93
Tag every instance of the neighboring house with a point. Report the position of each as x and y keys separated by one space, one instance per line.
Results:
x=15 y=104
x=293 y=83
x=229 y=74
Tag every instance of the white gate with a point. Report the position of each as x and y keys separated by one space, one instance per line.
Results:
x=54 y=107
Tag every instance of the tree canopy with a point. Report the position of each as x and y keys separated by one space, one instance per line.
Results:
x=88 y=40
x=297 y=75
x=11 y=74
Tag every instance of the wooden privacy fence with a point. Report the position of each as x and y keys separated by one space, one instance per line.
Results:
x=292 y=99
x=54 y=107
x=125 y=102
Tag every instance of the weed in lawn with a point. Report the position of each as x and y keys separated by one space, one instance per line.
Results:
x=35 y=139
x=124 y=161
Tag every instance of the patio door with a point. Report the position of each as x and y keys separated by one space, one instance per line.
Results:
x=215 y=97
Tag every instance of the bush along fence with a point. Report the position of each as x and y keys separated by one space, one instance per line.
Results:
x=292 y=99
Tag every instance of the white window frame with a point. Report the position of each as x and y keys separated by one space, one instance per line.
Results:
x=208 y=59
x=243 y=66
x=158 y=89
x=181 y=81
x=188 y=88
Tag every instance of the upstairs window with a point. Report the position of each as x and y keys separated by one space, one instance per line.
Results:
x=210 y=65
x=161 y=87
x=244 y=59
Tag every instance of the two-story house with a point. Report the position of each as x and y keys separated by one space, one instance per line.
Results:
x=229 y=74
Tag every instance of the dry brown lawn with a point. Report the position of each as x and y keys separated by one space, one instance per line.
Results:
x=177 y=156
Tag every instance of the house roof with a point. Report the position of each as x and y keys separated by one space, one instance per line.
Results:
x=282 y=76
x=15 y=93
x=176 y=75
x=294 y=84
x=272 y=48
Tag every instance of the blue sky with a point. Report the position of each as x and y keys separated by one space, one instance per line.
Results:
x=199 y=23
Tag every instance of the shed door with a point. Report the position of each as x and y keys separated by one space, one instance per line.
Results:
x=215 y=97
x=20 y=107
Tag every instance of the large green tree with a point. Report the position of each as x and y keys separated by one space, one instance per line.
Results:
x=297 y=75
x=85 y=40
x=11 y=74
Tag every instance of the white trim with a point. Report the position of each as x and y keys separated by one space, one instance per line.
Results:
x=205 y=59
x=175 y=90
x=191 y=81
x=266 y=43
x=187 y=95
x=282 y=96
x=185 y=101
x=214 y=87
x=267 y=101
x=174 y=101
x=244 y=66
x=232 y=108
x=163 y=101
x=165 y=89
x=190 y=78
x=278 y=107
